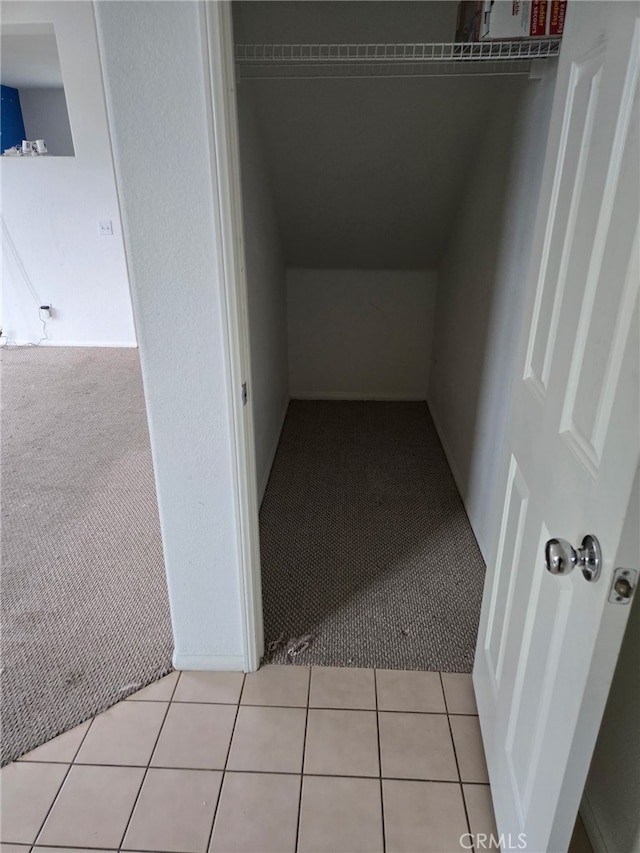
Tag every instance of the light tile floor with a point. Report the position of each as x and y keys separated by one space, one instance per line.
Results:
x=285 y=759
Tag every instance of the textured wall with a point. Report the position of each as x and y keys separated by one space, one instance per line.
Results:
x=52 y=252
x=360 y=334
x=155 y=79
x=266 y=293
x=479 y=304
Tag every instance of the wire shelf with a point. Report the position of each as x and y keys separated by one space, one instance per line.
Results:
x=364 y=60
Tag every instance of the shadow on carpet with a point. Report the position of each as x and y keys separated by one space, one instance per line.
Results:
x=85 y=615
x=365 y=543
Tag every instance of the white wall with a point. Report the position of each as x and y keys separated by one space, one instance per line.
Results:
x=360 y=334
x=479 y=303
x=266 y=293
x=157 y=85
x=45 y=116
x=52 y=252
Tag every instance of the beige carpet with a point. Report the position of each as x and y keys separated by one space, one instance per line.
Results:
x=85 y=617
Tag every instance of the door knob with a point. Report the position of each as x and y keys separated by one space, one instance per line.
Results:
x=561 y=557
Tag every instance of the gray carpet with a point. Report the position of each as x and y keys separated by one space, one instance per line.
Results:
x=85 y=617
x=365 y=542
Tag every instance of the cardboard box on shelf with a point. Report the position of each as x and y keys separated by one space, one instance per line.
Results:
x=557 y=14
x=510 y=19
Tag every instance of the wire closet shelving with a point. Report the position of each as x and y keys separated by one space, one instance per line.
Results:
x=393 y=60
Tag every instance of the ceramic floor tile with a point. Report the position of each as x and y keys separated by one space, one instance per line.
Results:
x=469 y=749
x=423 y=817
x=125 y=734
x=39 y=849
x=257 y=811
x=174 y=811
x=27 y=792
x=159 y=691
x=416 y=746
x=93 y=807
x=342 y=687
x=268 y=739
x=221 y=687
x=342 y=743
x=458 y=690
x=195 y=737
x=340 y=816
x=399 y=690
x=480 y=809
x=286 y=686
x=61 y=749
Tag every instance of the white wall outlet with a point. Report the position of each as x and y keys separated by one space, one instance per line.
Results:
x=45 y=312
x=105 y=227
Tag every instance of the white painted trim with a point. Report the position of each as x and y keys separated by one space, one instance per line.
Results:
x=272 y=453
x=208 y=663
x=113 y=344
x=359 y=395
x=218 y=50
x=592 y=827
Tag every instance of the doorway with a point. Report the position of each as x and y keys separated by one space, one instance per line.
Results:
x=386 y=214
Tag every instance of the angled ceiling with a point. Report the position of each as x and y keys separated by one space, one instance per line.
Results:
x=366 y=173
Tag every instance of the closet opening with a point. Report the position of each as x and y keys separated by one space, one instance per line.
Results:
x=388 y=199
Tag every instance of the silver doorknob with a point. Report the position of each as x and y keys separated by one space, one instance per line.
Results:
x=561 y=557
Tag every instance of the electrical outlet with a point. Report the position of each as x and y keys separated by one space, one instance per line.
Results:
x=45 y=312
x=105 y=227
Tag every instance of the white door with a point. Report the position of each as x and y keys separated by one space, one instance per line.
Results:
x=548 y=643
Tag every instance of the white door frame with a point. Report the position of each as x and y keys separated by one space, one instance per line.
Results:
x=218 y=50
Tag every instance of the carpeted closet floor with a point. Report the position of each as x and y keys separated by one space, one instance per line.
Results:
x=85 y=615
x=365 y=542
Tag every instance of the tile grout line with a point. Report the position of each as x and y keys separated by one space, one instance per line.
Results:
x=146 y=769
x=62 y=783
x=244 y=684
x=436 y=779
x=226 y=761
x=455 y=755
x=384 y=827
x=304 y=755
x=314 y=707
x=172 y=701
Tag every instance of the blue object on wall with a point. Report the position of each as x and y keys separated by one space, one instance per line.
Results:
x=11 y=122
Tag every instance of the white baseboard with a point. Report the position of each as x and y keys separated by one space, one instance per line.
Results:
x=359 y=395
x=208 y=663
x=592 y=827
x=110 y=344
x=272 y=454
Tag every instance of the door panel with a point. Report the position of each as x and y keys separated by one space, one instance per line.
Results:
x=548 y=643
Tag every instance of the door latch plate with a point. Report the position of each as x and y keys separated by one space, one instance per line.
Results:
x=623 y=586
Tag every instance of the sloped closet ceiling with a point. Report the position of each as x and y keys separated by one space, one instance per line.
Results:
x=366 y=173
